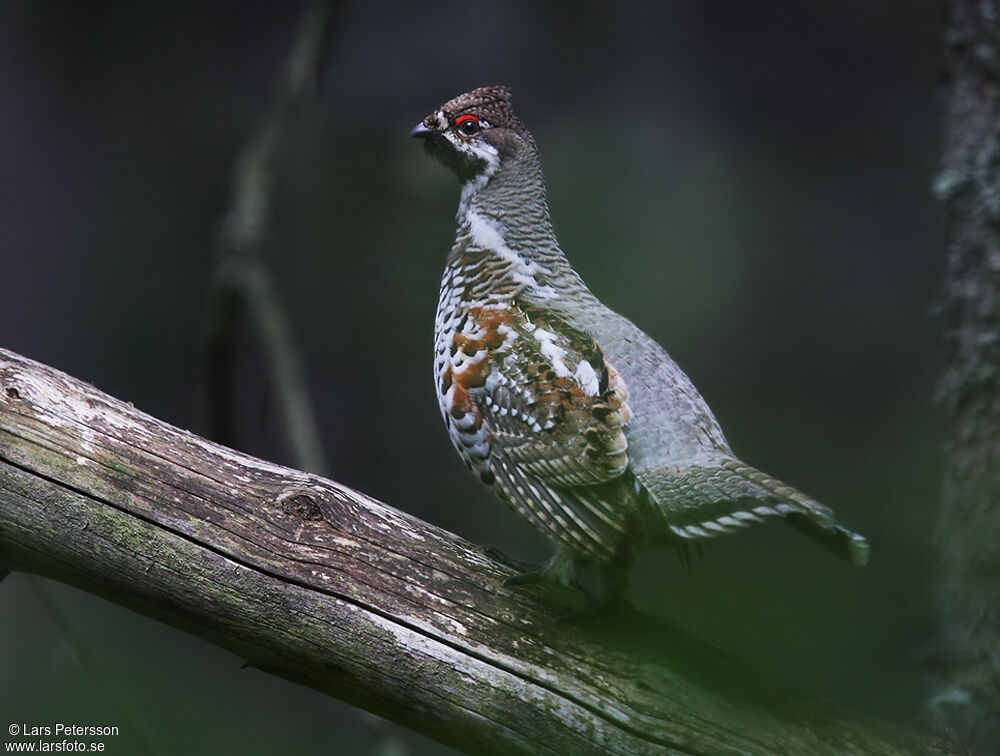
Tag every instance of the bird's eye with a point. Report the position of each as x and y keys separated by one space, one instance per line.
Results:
x=468 y=125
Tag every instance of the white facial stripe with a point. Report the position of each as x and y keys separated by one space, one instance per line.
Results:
x=489 y=155
x=477 y=149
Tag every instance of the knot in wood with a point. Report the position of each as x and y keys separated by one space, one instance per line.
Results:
x=302 y=505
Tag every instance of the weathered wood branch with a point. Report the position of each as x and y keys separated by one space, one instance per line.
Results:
x=309 y=580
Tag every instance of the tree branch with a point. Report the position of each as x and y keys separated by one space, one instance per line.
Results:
x=319 y=584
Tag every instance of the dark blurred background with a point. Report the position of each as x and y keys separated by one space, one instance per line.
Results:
x=749 y=182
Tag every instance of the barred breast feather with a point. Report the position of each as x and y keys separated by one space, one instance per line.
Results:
x=534 y=408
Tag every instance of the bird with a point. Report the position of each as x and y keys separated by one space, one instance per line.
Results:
x=571 y=414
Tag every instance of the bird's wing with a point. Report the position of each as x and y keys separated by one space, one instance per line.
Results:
x=554 y=412
x=554 y=405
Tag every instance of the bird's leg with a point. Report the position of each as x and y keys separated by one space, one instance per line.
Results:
x=560 y=569
x=612 y=585
x=607 y=590
x=604 y=592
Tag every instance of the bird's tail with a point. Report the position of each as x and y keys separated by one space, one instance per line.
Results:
x=701 y=502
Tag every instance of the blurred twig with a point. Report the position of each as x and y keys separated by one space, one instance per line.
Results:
x=243 y=283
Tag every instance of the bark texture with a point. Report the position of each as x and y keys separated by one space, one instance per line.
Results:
x=312 y=581
x=968 y=537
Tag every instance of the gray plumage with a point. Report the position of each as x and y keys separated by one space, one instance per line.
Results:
x=573 y=415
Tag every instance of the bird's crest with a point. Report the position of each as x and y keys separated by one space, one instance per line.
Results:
x=489 y=103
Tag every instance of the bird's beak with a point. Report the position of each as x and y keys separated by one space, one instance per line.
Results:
x=422 y=131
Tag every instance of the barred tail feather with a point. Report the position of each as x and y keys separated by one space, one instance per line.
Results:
x=697 y=502
x=808 y=516
x=834 y=536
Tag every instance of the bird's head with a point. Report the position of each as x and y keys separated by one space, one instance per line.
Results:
x=473 y=133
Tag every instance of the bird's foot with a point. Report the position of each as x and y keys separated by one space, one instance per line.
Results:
x=515 y=564
x=560 y=570
x=585 y=592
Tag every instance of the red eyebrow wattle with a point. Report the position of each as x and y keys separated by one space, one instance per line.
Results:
x=463 y=118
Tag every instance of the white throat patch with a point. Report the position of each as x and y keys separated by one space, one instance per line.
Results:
x=488 y=154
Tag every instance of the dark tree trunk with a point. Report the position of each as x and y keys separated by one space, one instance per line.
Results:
x=967 y=692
